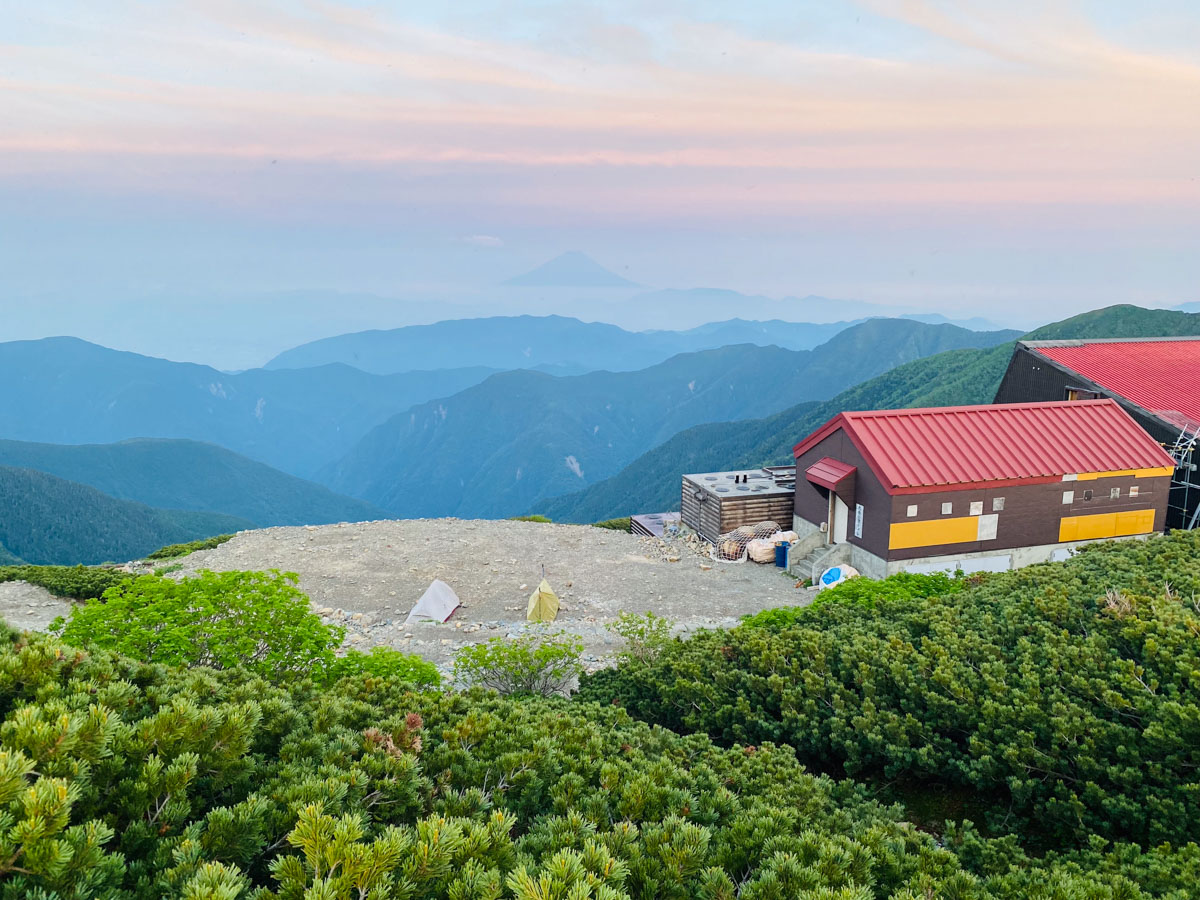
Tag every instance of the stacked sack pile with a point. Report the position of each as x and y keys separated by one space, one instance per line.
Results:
x=756 y=543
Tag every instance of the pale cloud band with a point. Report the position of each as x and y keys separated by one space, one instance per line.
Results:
x=924 y=104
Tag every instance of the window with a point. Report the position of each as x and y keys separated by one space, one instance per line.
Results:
x=997 y=504
x=1087 y=495
x=1114 y=494
x=977 y=507
x=1133 y=491
x=912 y=510
x=947 y=508
x=1068 y=496
x=1081 y=394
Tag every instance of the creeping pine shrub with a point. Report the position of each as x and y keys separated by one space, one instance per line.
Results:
x=175 y=551
x=70 y=582
x=126 y=781
x=533 y=663
x=259 y=621
x=863 y=592
x=620 y=524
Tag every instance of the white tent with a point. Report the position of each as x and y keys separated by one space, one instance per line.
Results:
x=437 y=604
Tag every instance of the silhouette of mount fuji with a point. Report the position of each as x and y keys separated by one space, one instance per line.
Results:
x=571 y=269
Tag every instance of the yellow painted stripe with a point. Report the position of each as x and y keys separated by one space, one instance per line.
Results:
x=933 y=532
x=1106 y=525
x=1116 y=473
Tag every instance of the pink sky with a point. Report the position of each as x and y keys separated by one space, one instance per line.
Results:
x=1075 y=124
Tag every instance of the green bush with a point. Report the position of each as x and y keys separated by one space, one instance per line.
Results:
x=127 y=781
x=865 y=592
x=542 y=519
x=535 y=662
x=384 y=662
x=1057 y=701
x=259 y=621
x=175 y=551
x=645 y=635
x=68 y=582
x=620 y=524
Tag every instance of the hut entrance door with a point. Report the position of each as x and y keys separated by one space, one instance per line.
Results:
x=839 y=516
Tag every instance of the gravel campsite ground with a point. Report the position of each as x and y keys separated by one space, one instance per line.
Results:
x=366 y=576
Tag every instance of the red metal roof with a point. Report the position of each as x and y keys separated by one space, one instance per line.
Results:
x=947 y=447
x=1161 y=376
x=829 y=472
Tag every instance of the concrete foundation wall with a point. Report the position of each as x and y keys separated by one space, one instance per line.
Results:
x=988 y=560
x=809 y=537
x=868 y=563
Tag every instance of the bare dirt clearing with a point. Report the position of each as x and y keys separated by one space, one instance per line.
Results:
x=366 y=576
x=28 y=607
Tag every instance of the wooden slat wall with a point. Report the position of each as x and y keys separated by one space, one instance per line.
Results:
x=716 y=516
x=752 y=510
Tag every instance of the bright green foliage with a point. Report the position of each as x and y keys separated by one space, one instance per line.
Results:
x=256 y=620
x=126 y=781
x=540 y=519
x=619 y=524
x=645 y=635
x=536 y=662
x=175 y=551
x=1056 y=701
x=384 y=662
x=865 y=592
x=71 y=582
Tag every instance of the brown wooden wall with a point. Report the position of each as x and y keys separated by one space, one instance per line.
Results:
x=1032 y=512
x=812 y=502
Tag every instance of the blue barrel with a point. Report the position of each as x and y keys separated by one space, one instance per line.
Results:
x=781 y=554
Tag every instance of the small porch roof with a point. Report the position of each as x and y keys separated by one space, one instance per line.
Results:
x=831 y=473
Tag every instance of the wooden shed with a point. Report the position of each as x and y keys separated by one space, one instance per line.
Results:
x=714 y=503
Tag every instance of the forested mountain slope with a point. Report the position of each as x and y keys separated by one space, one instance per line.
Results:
x=67 y=391
x=44 y=519
x=651 y=482
x=181 y=474
x=521 y=436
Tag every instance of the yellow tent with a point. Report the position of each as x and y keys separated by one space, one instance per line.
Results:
x=543 y=604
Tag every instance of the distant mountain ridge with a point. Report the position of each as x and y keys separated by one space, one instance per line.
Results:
x=544 y=342
x=502 y=445
x=190 y=475
x=959 y=377
x=49 y=520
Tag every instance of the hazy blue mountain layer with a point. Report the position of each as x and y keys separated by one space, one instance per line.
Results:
x=519 y=437
x=541 y=342
x=67 y=391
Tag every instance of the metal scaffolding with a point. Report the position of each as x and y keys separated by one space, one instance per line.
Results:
x=1184 y=497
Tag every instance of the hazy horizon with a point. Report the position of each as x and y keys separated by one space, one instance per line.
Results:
x=171 y=173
